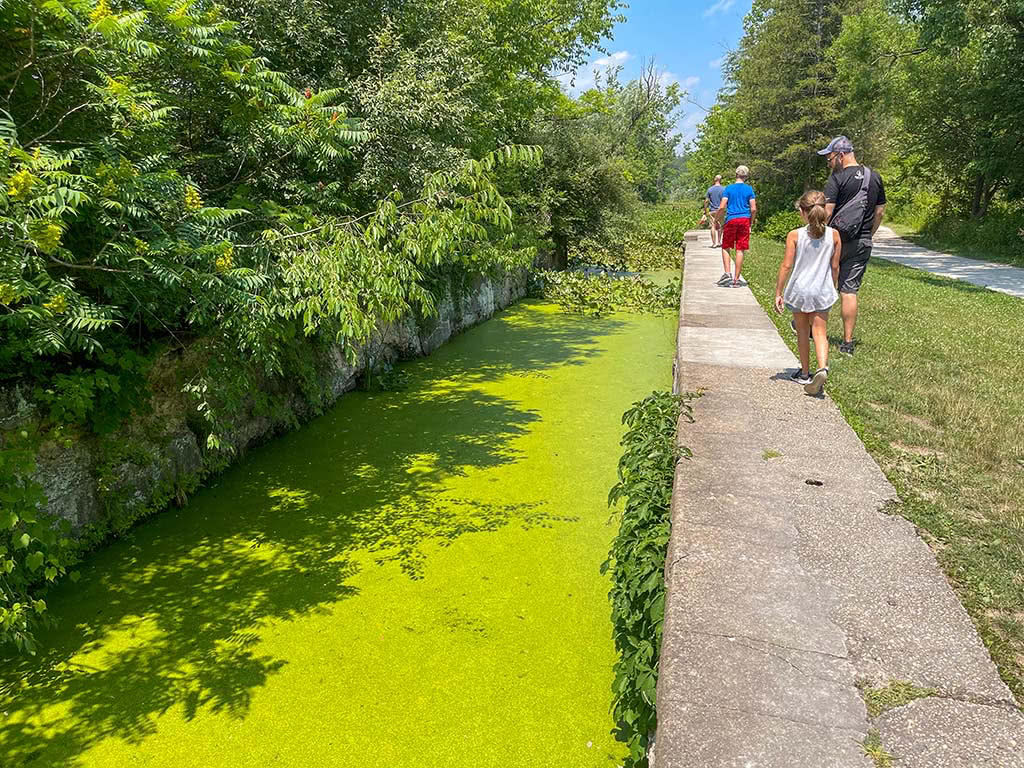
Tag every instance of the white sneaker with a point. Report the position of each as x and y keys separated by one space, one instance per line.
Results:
x=817 y=383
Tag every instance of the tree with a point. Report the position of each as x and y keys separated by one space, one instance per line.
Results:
x=781 y=88
x=944 y=77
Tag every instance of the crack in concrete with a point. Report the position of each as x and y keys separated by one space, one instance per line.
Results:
x=723 y=636
x=772 y=716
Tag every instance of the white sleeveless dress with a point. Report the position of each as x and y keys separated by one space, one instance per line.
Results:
x=810 y=287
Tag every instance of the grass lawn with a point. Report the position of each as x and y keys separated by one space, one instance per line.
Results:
x=411 y=580
x=936 y=392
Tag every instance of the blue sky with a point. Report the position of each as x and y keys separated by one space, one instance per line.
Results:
x=687 y=40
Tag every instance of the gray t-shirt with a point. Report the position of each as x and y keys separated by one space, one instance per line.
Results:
x=714 y=196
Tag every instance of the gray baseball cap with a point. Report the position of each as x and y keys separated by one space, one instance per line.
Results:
x=838 y=144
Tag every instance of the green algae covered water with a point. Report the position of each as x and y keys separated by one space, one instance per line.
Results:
x=411 y=580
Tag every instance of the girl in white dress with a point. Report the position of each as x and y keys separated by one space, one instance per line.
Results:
x=812 y=254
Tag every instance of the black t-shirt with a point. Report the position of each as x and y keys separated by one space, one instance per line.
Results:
x=843 y=185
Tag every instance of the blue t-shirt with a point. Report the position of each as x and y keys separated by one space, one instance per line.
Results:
x=714 y=196
x=739 y=194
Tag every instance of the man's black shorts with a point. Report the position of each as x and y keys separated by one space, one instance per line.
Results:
x=852 y=263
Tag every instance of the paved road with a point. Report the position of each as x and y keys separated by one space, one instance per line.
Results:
x=987 y=274
x=783 y=595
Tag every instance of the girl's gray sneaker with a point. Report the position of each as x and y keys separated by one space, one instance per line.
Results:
x=817 y=382
x=725 y=279
x=800 y=377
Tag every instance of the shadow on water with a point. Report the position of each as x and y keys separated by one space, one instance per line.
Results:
x=170 y=617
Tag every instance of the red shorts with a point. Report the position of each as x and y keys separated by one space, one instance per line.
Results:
x=736 y=235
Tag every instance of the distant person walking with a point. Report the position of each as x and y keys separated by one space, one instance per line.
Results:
x=712 y=201
x=813 y=254
x=855 y=205
x=739 y=207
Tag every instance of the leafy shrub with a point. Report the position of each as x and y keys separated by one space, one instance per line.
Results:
x=780 y=224
x=99 y=397
x=1000 y=235
x=33 y=550
x=668 y=224
x=646 y=472
x=642 y=240
x=596 y=295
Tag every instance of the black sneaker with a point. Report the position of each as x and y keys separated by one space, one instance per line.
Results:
x=846 y=348
x=800 y=377
x=725 y=279
x=817 y=383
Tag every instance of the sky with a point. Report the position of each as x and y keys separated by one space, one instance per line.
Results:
x=686 y=39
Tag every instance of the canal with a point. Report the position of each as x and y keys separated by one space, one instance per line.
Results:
x=413 y=579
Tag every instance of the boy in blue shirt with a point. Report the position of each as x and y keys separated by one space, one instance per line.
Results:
x=739 y=207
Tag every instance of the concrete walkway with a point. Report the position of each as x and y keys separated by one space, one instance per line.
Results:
x=988 y=274
x=788 y=584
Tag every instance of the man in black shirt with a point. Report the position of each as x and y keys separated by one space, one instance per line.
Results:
x=843 y=185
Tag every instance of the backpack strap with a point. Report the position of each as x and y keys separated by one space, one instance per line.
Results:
x=864 y=183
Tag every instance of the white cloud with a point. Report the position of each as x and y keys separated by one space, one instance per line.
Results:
x=687 y=84
x=688 y=125
x=716 y=63
x=617 y=58
x=720 y=7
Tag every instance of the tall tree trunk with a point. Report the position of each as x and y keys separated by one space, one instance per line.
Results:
x=979 y=191
x=561 y=242
x=987 y=200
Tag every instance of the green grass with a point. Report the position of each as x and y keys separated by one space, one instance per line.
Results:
x=874 y=749
x=897 y=693
x=411 y=580
x=935 y=392
x=770 y=453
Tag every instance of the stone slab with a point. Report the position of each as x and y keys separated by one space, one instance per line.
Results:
x=945 y=733
x=764 y=679
x=717 y=737
x=759 y=348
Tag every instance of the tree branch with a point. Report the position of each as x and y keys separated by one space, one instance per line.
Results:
x=66 y=115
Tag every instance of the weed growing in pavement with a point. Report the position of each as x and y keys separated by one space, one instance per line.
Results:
x=896 y=694
x=874 y=749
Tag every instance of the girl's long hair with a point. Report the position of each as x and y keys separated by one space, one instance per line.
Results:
x=812 y=203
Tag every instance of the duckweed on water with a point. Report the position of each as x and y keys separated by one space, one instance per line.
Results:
x=411 y=580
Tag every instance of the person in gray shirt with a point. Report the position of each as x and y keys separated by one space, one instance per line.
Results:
x=712 y=200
